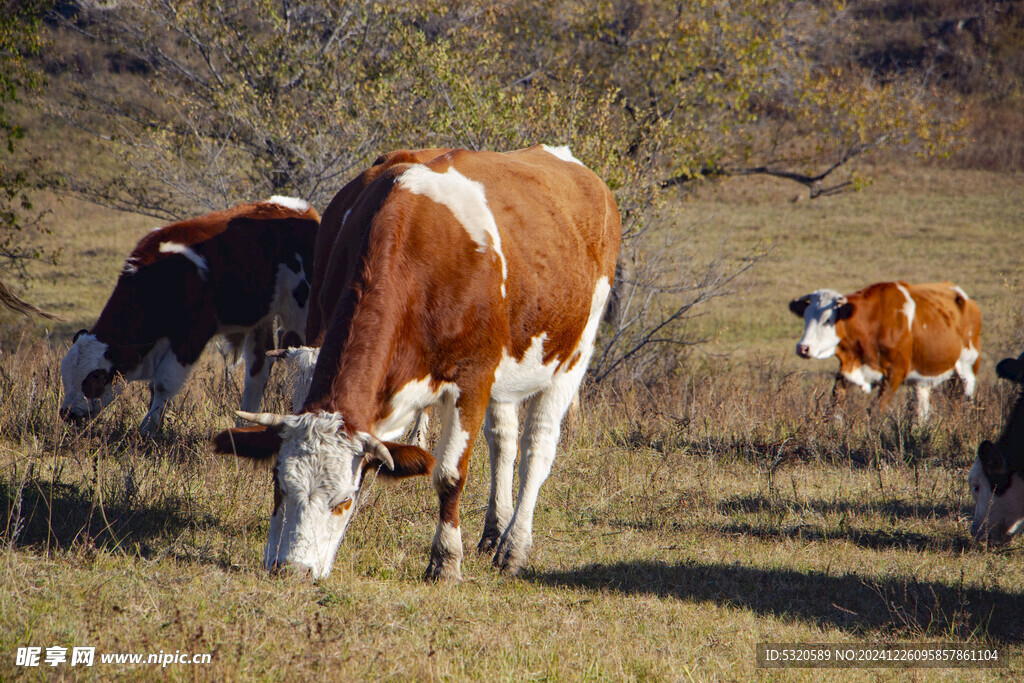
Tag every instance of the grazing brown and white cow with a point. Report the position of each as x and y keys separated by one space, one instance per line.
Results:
x=890 y=333
x=474 y=282
x=229 y=272
x=997 y=477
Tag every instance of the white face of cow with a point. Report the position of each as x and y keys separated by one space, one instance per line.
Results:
x=86 y=375
x=317 y=479
x=998 y=498
x=821 y=310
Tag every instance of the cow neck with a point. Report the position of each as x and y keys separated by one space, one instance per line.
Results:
x=1011 y=440
x=360 y=342
x=123 y=357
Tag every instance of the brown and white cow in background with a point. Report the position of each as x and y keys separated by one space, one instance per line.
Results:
x=475 y=282
x=997 y=477
x=892 y=332
x=228 y=272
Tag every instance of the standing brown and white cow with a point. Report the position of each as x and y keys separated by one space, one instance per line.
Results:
x=475 y=282
x=892 y=332
x=229 y=272
x=997 y=477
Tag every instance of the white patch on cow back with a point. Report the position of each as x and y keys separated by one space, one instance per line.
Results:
x=466 y=200
x=864 y=377
x=563 y=153
x=293 y=203
x=909 y=306
x=187 y=252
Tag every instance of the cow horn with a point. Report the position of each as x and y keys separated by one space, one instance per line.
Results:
x=376 y=450
x=267 y=419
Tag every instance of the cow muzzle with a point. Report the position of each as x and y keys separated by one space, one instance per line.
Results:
x=803 y=350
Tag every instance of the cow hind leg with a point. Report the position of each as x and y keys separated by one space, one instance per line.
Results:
x=966 y=369
x=544 y=413
x=258 y=341
x=923 y=396
x=501 y=429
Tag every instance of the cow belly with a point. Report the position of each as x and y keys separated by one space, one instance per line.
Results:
x=914 y=377
x=514 y=380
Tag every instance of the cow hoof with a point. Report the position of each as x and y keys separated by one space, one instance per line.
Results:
x=489 y=541
x=511 y=558
x=438 y=570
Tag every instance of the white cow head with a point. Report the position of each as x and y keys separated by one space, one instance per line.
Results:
x=317 y=480
x=87 y=375
x=998 y=496
x=821 y=310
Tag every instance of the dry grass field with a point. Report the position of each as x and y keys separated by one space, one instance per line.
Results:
x=684 y=522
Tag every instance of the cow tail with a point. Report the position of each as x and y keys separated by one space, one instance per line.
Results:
x=12 y=301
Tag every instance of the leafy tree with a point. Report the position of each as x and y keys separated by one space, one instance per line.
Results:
x=19 y=40
x=246 y=98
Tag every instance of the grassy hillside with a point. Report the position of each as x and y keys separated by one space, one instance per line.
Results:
x=682 y=524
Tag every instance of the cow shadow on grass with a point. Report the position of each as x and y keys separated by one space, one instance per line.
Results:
x=872 y=539
x=901 y=607
x=900 y=509
x=875 y=539
x=51 y=516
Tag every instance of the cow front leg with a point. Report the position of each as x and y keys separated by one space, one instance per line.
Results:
x=501 y=429
x=886 y=388
x=258 y=341
x=460 y=423
x=168 y=378
x=835 y=409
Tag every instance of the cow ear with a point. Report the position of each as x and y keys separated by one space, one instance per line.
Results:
x=992 y=461
x=844 y=311
x=256 y=443
x=798 y=306
x=78 y=334
x=408 y=460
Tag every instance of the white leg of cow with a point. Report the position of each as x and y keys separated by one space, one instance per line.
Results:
x=501 y=429
x=168 y=379
x=258 y=341
x=924 y=404
x=540 y=438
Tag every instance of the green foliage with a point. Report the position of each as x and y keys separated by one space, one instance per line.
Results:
x=248 y=99
x=19 y=41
